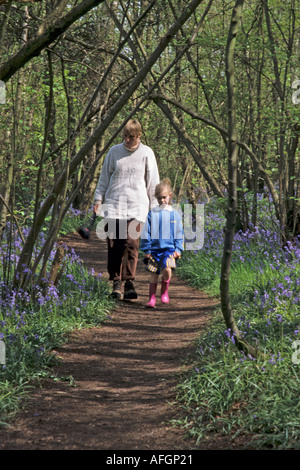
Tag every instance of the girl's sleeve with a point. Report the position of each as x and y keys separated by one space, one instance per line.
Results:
x=145 y=237
x=178 y=235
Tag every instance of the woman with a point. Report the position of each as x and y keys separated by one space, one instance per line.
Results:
x=124 y=195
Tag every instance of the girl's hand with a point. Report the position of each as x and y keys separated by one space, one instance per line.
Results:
x=176 y=254
x=146 y=258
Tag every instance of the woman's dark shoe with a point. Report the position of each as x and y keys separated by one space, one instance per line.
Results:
x=116 y=292
x=129 y=291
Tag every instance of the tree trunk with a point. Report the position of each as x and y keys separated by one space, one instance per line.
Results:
x=7 y=187
x=232 y=180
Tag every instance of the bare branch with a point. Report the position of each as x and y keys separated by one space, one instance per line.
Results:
x=51 y=32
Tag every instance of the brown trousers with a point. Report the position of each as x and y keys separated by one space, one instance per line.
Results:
x=122 y=249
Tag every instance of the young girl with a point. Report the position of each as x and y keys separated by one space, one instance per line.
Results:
x=162 y=242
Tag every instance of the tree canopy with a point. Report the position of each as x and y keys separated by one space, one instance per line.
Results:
x=213 y=91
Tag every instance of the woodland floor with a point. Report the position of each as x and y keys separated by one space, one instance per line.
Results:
x=125 y=373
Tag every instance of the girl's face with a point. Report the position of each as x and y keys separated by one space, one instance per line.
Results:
x=163 y=197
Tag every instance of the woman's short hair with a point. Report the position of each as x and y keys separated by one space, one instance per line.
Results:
x=132 y=127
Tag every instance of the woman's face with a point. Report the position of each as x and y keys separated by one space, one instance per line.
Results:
x=131 y=140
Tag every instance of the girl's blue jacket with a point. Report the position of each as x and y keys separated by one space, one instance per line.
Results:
x=162 y=231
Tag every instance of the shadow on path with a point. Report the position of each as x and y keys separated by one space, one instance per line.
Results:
x=124 y=371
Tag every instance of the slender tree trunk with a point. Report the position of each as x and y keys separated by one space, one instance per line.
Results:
x=5 y=21
x=8 y=184
x=232 y=180
x=8 y=192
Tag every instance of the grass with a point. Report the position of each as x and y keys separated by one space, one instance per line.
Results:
x=230 y=393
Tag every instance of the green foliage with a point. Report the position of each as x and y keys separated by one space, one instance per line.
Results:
x=230 y=393
x=267 y=121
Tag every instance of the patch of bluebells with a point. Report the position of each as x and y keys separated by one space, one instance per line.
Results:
x=279 y=296
x=273 y=306
x=18 y=307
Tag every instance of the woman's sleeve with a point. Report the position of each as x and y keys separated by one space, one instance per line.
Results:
x=151 y=178
x=103 y=179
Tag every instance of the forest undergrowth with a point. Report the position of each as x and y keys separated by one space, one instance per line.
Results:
x=228 y=392
x=225 y=392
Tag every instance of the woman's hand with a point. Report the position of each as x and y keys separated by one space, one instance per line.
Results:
x=97 y=208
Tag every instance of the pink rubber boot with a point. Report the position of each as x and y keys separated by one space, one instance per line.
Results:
x=152 y=292
x=164 y=291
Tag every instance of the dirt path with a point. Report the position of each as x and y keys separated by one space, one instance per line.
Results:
x=124 y=372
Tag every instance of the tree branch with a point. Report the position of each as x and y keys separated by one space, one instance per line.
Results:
x=224 y=133
x=184 y=137
x=51 y=32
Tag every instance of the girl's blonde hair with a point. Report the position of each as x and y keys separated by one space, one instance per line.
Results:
x=164 y=184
